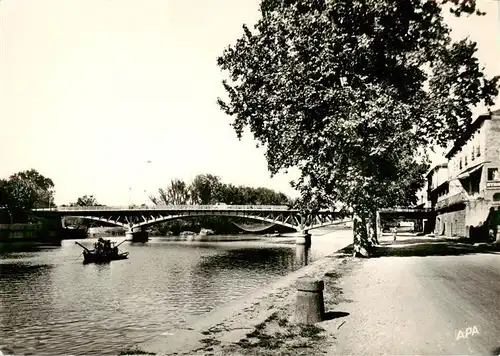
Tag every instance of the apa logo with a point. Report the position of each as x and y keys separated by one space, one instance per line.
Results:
x=470 y=331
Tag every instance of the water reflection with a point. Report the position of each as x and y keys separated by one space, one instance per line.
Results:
x=53 y=304
x=25 y=288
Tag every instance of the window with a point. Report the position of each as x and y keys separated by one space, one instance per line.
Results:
x=465 y=158
x=493 y=174
x=460 y=163
x=496 y=197
x=478 y=151
x=473 y=153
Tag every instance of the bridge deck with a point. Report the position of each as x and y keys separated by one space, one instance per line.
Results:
x=253 y=208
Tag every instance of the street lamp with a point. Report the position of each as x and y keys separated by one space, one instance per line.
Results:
x=148 y=162
x=130 y=197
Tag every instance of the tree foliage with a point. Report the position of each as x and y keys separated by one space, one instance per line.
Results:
x=177 y=193
x=348 y=91
x=25 y=191
x=86 y=200
x=209 y=189
x=205 y=189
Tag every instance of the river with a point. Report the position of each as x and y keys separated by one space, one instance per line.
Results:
x=52 y=304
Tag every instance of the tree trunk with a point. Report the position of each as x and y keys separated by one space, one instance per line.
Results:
x=372 y=229
x=361 y=236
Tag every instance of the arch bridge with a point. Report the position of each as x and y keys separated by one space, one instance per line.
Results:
x=140 y=218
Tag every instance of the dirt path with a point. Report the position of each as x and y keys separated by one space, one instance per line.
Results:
x=433 y=305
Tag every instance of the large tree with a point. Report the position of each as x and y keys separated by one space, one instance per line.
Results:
x=25 y=191
x=349 y=91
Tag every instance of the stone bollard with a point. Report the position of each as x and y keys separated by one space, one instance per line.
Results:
x=310 y=307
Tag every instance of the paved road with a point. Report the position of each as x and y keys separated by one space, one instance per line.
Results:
x=420 y=306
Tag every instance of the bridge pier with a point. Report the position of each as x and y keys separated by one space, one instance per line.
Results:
x=137 y=235
x=302 y=254
x=303 y=238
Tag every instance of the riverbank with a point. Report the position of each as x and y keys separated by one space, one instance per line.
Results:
x=260 y=322
x=392 y=304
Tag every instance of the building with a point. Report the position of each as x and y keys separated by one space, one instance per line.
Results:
x=462 y=192
x=436 y=184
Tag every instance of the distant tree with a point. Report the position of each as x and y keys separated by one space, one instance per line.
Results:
x=177 y=193
x=348 y=92
x=86 y=200
x=205 y=189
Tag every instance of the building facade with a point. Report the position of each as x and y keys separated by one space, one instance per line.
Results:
x=462 y=192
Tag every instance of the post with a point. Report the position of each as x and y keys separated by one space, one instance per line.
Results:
x=309 y=307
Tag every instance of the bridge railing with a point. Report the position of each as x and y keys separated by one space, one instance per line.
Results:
x=170 y=207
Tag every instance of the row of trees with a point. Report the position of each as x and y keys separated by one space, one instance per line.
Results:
x=24 y=191
x=204 y=189
x=350 y=91
x=209 y=189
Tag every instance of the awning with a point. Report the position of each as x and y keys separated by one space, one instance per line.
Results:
x=470 y=170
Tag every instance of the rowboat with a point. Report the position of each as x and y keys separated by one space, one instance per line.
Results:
x=93 y=257
x=104 y=252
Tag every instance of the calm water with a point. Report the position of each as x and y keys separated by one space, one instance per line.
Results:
x=52 y=304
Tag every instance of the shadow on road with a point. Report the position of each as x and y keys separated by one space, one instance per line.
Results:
x=421 y=247
x=334 y=315
x=430 y=247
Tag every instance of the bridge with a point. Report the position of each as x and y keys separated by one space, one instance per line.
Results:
x=418 y=214
x=137 y=220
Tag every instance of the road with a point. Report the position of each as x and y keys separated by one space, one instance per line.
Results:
x=433 y=305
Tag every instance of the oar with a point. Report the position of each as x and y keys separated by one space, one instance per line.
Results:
x=79 y=244
x=79 y=256
x=121 y=243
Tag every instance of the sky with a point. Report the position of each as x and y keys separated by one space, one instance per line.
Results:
x=113 y=98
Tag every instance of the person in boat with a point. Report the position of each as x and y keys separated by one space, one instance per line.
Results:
x=101 y=246
x=97 y=245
